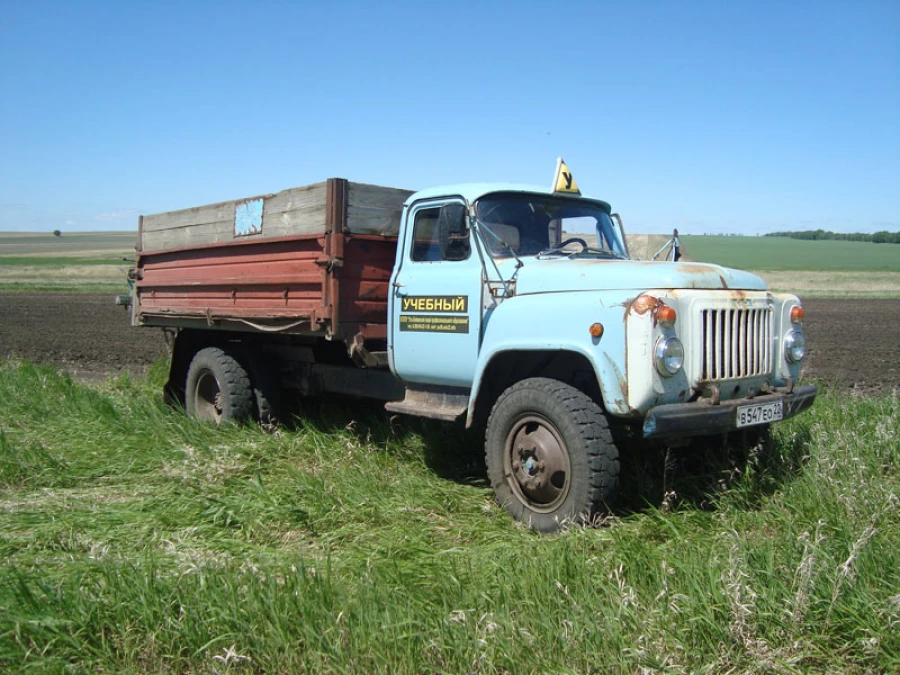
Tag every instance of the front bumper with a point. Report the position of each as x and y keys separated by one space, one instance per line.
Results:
x=702 y=418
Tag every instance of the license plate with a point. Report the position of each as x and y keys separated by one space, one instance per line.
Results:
x=760 y=413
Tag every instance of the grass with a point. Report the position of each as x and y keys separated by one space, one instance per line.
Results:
x=784 y=254
x=66 y=287
x=92 y=278
x=55 y=261
x=135 y=540
x=76 y=244
x=78 y=261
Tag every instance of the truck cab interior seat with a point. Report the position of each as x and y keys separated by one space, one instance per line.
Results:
x=508 y=233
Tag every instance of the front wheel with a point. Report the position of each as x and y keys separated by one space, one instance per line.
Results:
x=218 y=388
x=550 y=455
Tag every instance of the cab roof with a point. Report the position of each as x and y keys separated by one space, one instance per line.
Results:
x=474 y=191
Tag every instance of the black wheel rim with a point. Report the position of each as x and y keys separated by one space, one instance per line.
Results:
x=208 y=398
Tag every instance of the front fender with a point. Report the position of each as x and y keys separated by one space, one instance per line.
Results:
x=561 y=322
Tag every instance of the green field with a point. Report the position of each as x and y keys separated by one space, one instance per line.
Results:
x=784 y=254
x=77 y=244
x=57 y=261
x=134 y=540
x=77 y=261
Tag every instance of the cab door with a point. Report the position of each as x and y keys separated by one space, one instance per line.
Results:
x=435 y=309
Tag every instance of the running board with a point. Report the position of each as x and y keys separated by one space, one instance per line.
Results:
x=436 y=402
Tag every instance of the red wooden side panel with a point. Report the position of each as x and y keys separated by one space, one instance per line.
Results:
x=275 y=280
x=260 y=278
x=364 y=285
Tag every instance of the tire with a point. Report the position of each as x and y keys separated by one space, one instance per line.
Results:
x=218 y=388
x=550 y=454
x=267 y=398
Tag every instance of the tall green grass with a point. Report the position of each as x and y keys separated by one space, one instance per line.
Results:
x=134 y=540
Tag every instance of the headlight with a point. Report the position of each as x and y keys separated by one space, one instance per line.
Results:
x=795 y=346
x=669 y=356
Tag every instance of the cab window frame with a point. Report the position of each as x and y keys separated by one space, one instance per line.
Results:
x=432 y=246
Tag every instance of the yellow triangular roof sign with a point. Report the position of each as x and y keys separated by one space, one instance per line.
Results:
x=564 y=181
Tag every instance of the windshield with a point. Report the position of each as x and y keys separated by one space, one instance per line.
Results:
x=531 y=224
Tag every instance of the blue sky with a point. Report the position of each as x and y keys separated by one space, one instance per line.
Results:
x=740 y=117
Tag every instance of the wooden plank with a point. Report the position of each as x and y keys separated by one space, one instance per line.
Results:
x=239 y=246
x=197 y=215
x=303 y=199
x=288 y=278
x=162 y=261
x=372 y=209
x=296 y=211
x=194 y=235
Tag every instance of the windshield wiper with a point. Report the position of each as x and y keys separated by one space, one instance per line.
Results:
x=605 y=253
x=552 y=251
x=502 y=243
x=593 y=251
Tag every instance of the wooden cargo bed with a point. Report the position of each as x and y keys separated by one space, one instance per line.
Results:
x=312 y=260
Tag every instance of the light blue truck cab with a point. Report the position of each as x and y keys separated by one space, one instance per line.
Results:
x=518 y=308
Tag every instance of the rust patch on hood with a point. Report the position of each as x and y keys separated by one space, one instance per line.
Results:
x=645 y=303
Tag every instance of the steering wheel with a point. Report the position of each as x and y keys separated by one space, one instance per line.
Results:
x=574 y=240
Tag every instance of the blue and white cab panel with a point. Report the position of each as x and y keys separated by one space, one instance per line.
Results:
x=435 y=308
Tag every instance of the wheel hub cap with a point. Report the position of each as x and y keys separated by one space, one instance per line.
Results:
x=538 y=463
x=208 y=398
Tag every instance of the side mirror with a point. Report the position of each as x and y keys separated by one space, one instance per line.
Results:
x=453 y=230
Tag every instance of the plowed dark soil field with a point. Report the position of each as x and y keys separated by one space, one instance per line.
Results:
x=854 y=344
x=85 y=333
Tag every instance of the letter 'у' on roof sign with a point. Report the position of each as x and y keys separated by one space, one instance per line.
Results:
x=564 y=181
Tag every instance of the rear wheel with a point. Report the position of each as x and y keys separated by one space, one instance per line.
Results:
x=218 y=388
x=550 y=455
x=266 y=386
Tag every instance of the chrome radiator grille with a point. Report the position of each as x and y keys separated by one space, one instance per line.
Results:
x=736 y=343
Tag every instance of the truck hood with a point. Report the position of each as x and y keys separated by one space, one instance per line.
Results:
x=564 y=274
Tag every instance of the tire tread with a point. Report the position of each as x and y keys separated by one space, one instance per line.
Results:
x=233 y=379
x=590 y=424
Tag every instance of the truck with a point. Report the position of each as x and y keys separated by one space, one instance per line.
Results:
x=510 y=308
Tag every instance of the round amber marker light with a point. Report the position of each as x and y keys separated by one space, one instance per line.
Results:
x=596 y=329
x=666 y=316
x=797 y=314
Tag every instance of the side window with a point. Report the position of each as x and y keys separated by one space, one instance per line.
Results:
x=426 y=245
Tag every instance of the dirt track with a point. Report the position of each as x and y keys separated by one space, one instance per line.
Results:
x=854 y=343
